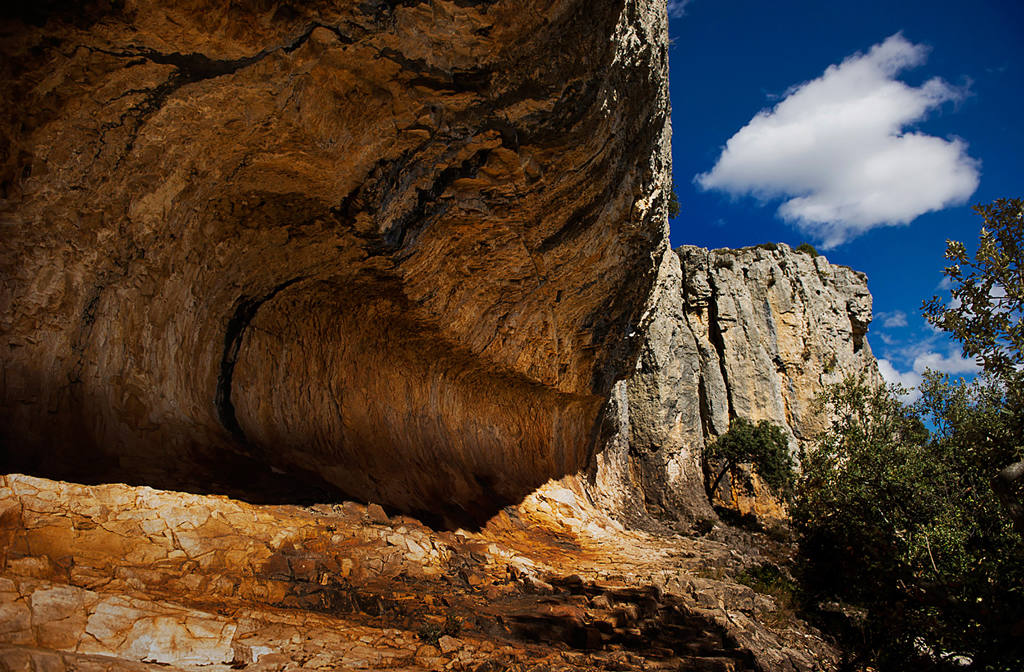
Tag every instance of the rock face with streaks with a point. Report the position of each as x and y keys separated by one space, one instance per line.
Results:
x=755 y=333
x=115 y=578
x=653 y=430
x=774 y=326
x=394 y=250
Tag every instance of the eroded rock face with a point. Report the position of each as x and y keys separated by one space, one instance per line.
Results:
x=115 y=578
x=398 y=247
x=755 y=333
x=774 y=327
x=653 y=427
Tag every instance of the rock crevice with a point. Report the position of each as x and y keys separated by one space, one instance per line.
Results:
x=759 y=332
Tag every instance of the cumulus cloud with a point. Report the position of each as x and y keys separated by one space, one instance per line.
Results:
x=836 y=150
x=908 y=379
x=677 y=8
x=896 y=318
x=953 y=364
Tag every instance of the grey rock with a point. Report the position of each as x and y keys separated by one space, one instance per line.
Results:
x=754 y=333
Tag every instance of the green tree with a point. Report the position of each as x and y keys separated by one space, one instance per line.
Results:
x=987 y=311
x=673 y=203
x=763 y=445
x=861 y=475
x=912 y=525
x=986 y=315
x=902 y=523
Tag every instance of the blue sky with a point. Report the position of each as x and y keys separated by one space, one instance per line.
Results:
x=866 y=128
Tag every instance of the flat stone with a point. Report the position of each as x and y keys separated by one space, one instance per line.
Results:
x=449 y=644
x=376 y=514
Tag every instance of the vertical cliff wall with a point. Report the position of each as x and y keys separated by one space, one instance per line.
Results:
x=393 y=248
x=755 y=333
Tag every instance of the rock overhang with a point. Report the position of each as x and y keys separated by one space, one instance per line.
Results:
x=394 y=248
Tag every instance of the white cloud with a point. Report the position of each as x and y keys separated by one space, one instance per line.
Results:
x=677 y=8
x=952 y=364
x=836 y=149
x=909 y=380
x=896 y=318
x=887 y=339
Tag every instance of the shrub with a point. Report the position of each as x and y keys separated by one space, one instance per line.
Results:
x=768 y=579
x=452 y=626
x=903 y=524
x=763 y=445
x=703 y=526
x=673 y=203
x=431 y=633
x=807 y=248
x=722 y=261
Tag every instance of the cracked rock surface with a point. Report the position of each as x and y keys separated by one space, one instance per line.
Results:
x=394 y=250
x=120 y=578
x=755 y=333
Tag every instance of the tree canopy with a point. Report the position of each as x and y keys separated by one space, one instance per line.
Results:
x=986 y=314
x=914 y=514
x=903 y=523
x=763 y=445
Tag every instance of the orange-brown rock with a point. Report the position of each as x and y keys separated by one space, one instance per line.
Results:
x=397 y=250
x=121 y=578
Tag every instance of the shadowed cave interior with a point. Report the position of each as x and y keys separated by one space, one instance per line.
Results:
x=304 y=253
x=328 y=390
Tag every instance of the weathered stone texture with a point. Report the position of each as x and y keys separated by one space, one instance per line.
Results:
x=754 y=333
x=396 y=246
x=119 y=578
x=784 y=324
x=654 y=438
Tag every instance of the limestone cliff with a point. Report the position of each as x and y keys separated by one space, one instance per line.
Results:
x=395 y=250
x=754 y=333
x=399 y=251
x=783 y=324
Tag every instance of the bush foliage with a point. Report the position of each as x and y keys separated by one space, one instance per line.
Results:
x=673 y=203
x=904 y=523
x=768 y=579
x=807 y=248
x=914 y=514
x=763 y=445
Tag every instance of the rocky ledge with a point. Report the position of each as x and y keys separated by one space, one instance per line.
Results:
x=119 y=578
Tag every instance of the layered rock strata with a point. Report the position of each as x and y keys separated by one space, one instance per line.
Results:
x=755 y=333
x=396 y=250
x=119 y=578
